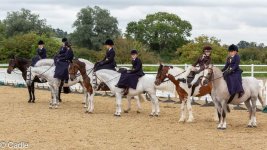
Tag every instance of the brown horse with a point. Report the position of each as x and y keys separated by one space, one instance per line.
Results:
x=182 y=89
x=23 y=64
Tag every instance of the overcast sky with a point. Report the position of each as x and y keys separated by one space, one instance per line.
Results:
x=228 y=20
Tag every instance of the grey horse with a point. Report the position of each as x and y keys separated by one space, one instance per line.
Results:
x=220 y=95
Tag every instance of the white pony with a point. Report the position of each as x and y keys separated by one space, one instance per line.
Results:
x=220 y=95
x=48 y=66
x=145 y=84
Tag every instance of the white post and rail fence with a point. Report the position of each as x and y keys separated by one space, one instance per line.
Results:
x=259 y=71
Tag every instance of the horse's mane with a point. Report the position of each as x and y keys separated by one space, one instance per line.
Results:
x=80 y=63
x=23 y=60
x=44 y=62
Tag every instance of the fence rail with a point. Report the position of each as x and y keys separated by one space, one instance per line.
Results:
x=250 y=69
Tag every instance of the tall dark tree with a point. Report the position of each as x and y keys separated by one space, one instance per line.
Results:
x=60 y=33
x=23 y=21
x=93 y=26
x=243 y=44
x=161 y=31
x=2 y=30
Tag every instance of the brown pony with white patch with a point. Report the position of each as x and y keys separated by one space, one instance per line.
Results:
x=184 y=92
x=76 y=66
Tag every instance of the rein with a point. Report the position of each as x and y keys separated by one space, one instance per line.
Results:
x=173 y=76
x=40 y=73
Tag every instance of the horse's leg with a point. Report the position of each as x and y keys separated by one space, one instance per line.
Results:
x=138 y=104
x=248 y=105
x=56 y=95
x=118 y=104
x=219 y=112
x=224 y=107
x=215 y=116
x=30 y=93
x=52 y=97
x=153 y=106
x=91 y=99
x=33 y=94
x=129 y=104
x=190 y=112
x=182 y=118
x=254 y=109
x=59 y=92
x=157 y=104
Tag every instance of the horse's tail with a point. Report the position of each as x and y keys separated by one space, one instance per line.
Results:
x=261 y=98
x=141 y=98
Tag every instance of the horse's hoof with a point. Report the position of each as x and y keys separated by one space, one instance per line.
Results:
x=126 y=111
x=90 y=112
x=83 y=102
x=181 y=120
x=33 y=101
x=138 y=112
x=151 y=115
x=219 y=128
x=50 y=107
x=116 y=115
x=250 y=126
x=189 y=121
x=29 y=101
x=223 y=128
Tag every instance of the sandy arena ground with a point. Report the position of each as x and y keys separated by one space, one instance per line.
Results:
x=70 y=128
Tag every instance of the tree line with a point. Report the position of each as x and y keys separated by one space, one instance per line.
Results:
x=160 y=37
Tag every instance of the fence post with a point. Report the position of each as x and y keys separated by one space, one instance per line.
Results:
x=185 y=66
x=252 y=70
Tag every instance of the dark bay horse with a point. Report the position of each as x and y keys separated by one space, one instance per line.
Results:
x=22 y=64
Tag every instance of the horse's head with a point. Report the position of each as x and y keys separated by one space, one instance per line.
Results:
x=207 y=74
x=162 y=74
x=73 y=70
x=12 y=65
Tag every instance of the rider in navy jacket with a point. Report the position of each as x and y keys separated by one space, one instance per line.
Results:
x=109 y=60
x=130 y=78
x=232 y=72
x=41 y=53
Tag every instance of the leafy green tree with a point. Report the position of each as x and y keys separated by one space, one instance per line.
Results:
x=25 y=46
x=243 y=44
x=122 y=47
x=161 y=31
x=23 y=21
x=2 y=31
x=59 y=33
x=191 y=51
x=93 y=26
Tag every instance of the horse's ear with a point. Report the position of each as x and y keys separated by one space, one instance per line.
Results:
x=171 y=67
